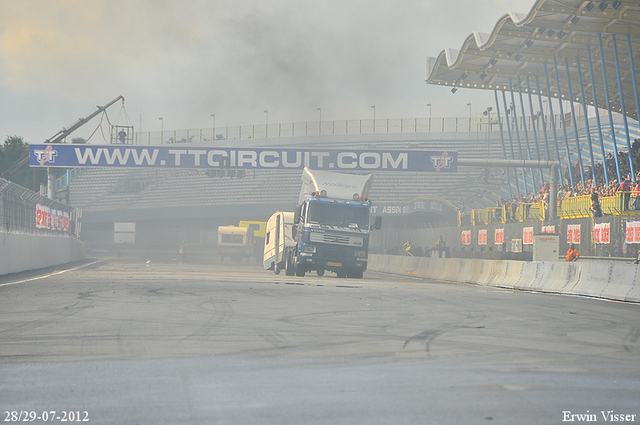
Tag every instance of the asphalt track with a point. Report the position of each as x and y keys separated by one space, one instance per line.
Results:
x=131 y=342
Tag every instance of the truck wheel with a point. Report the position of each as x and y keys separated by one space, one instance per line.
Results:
x=341 y=274
x=288 y=265
x=320 y=272
x=300 y=271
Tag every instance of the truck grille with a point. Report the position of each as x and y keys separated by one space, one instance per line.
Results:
x=335 y=252
x=336 y=239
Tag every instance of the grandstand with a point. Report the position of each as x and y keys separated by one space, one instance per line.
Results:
x=111 y=195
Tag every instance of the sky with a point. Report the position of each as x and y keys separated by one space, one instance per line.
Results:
x=184 y=60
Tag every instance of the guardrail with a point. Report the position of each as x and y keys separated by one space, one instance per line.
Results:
x=574 y=207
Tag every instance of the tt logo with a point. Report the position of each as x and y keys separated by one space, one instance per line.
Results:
x=46 y=155
x=442 y=161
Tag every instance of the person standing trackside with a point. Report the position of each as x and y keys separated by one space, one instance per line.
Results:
x=572 y=254
x=625 y=187
x=408 y=247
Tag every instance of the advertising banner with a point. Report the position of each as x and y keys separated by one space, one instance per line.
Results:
x=63 y=155
x=499 y=236
x=466 y=237
x=632 y=232
x=49 y=218
x=527 y=236
x=548 y=229
x=602 y=233
x=482 y=237
x=573 y=233
x=419 y=205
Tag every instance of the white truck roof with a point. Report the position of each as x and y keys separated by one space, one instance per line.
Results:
x=337 y=185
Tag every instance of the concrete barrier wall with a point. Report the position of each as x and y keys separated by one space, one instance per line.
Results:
x=609 y=280
x=20 y=252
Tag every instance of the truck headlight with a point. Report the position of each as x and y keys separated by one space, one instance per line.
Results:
x=310 y=248
x=361 y=254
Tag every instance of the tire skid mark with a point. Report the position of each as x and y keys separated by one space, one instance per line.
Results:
x=67 y=311
x=222 y=312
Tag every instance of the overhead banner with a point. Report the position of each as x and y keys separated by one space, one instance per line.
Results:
x=70 y=156
x=419 y=205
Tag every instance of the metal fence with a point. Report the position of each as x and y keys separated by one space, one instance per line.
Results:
x=482 y=125
x=25 y=211
x=569 y=208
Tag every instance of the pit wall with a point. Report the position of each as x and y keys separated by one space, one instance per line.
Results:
x=608 y=280
x=19 y=252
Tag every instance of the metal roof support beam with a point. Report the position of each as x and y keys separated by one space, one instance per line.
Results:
x=606 y=96
x=624 y=113
x=535 y=130
x=515 y=120
x=504 y=148
x=543 y=119
x=633 y=77
x=526 y=136
x=552 y=165
x=575 y=123
x=595 y=105
x=564 y=126
x=507 y=111
x=553 y=123
x=586 y=122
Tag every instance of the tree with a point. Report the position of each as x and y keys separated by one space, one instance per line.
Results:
x=12 y=151
x=78 y=140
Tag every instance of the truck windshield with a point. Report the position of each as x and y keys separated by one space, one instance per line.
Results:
x=339 y=215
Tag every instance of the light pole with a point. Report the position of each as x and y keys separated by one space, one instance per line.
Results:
x=161 y=130
x=320 y=121
x=214 y=126
x=266 y=123
x=469 y=105
x=429 y=105
x=487 y=113
x=374 y=117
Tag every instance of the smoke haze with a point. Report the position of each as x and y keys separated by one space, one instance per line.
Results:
x=186 y=60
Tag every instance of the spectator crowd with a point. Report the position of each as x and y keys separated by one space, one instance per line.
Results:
x=628 y=186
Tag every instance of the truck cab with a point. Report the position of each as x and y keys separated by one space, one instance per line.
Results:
x=332 y=233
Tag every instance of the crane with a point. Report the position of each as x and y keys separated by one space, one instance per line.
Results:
x=58 y=137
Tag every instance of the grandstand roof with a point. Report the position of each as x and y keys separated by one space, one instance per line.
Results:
x=521 y=45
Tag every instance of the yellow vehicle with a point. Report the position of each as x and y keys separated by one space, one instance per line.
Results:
x=259 y=230
x=259 y=227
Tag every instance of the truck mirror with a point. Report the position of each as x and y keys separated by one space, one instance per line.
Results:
x=377 y=223
x=296 y=215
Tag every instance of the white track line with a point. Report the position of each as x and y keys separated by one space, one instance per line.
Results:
x=50 y=274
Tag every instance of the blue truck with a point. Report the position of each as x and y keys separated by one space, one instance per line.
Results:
x=332 y=225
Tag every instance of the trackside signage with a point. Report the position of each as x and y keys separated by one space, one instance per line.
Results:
x=60 y=155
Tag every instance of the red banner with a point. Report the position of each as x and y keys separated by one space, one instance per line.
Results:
x=527 y=236
x=602 y=233
x=49 y=218
x=573 y=233
x=466 y=237
x=482 y=237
